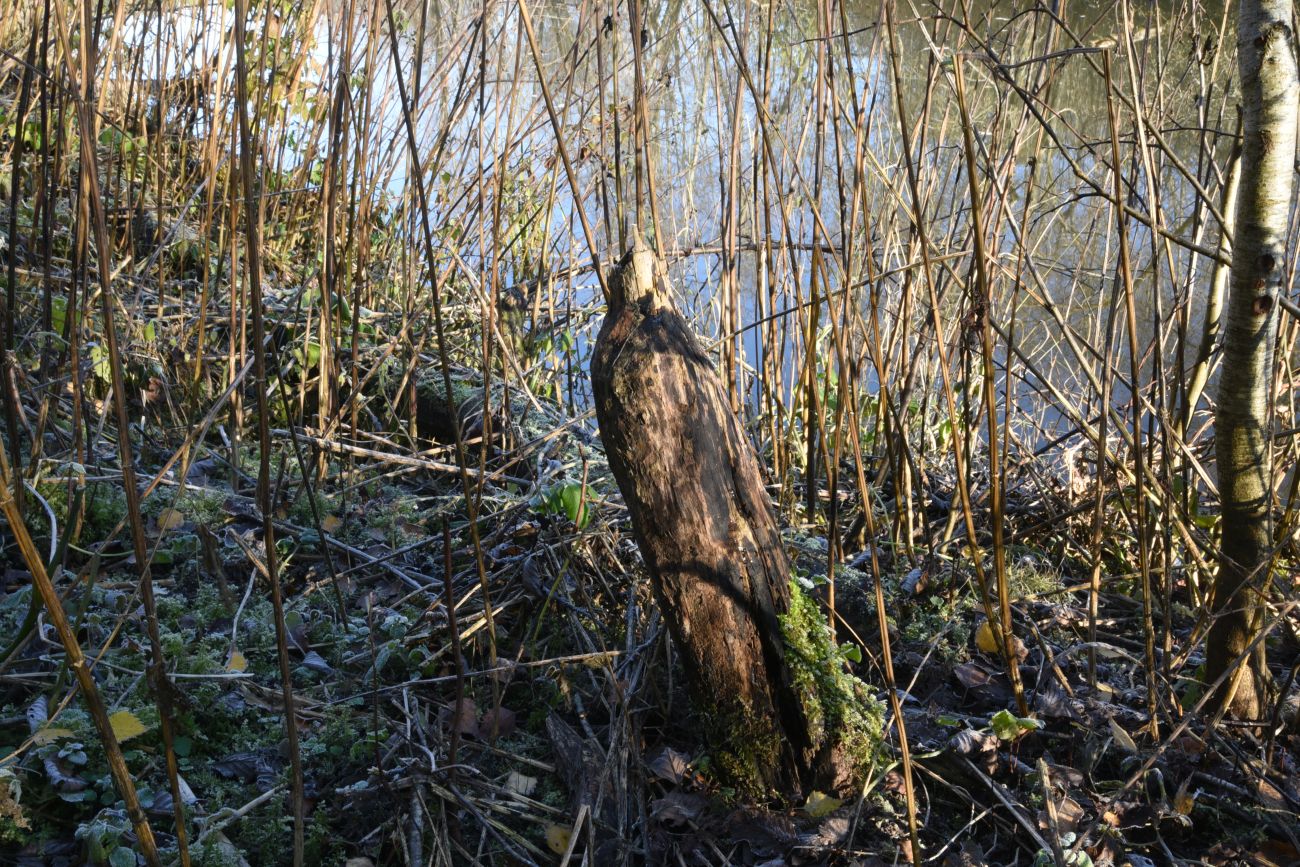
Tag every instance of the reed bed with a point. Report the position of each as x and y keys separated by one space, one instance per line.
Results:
x=961 y=266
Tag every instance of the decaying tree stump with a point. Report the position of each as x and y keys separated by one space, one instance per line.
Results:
x=782 y=718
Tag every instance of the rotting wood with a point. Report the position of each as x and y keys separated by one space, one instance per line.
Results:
x=710 y=539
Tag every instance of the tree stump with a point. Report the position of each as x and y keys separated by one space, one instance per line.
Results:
x=781 y=715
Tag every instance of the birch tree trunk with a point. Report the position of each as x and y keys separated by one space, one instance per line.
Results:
x=1269 y=93
x=780 y=714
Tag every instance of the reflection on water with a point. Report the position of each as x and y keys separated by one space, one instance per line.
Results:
x=777 y=166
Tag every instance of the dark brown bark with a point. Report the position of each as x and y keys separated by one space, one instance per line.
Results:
x=707 y=532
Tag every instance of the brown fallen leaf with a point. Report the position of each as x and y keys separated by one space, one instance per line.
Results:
x=971 y=675
x=1269 y=795
x=463 y=717
x=1068 y=814
x=497 y=723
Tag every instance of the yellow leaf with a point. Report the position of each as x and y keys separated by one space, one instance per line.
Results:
x=985 y=640
x=236 y=662
x=820 y=804
x=50 y=735
x=557 y=838
x=170 y=519
x=330 y=523
x=126 y=725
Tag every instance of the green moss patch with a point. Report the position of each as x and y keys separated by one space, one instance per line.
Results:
x=837 y=705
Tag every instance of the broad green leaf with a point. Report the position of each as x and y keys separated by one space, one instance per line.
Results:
x=1007 y=726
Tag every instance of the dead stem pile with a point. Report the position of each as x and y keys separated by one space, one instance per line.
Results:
x=478 y=673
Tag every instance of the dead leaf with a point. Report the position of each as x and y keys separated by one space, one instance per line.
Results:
x=330 y=523
x=557 y=838
x=1269 y=795
x=187 y=794
x=1122 y=738
x=915 y=582
x=971 y=675
x=126 y=725
x=315 y=662
x=1068 y=814
x=969 y=742
x=61 y=779
x=1054 y=703
x=245 y=766
x=170 y=519
x=677 y=808
x=820 y=804
x=497 y=723
x=521 y=784
x=11 y=792
x=237 y=661
x=1276 y=853
x=832 y=832
x=669 y=765
x=463 y=717
x=50 y=735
